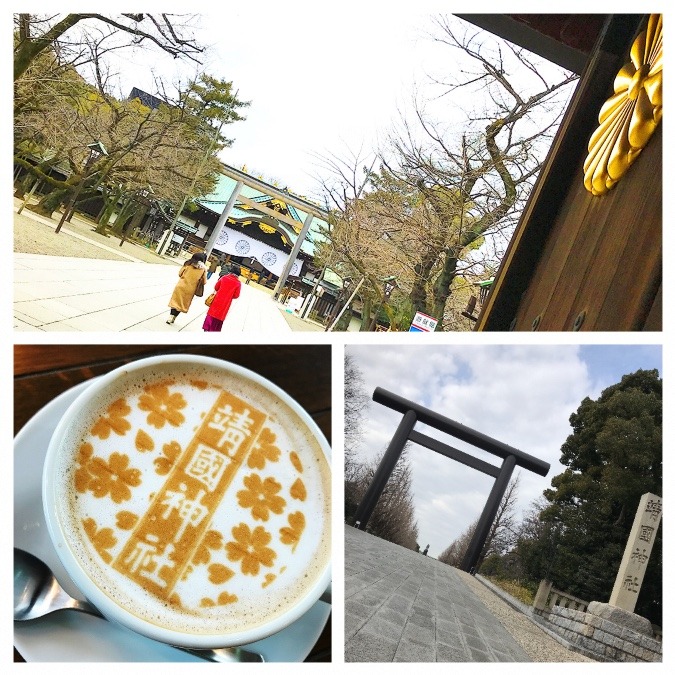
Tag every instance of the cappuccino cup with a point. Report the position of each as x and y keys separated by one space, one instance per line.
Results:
x=189 y=500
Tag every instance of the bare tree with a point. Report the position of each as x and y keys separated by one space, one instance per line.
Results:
x=440 y=195
x=489 y=169
x=393 y=517
x=352 y=248
x=356 y=404
x=58 y=114
x=383 y=225
x=34 y=34
x=454 y=554
x=501 y=537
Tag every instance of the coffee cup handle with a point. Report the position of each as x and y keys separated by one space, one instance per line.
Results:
x=327 y=595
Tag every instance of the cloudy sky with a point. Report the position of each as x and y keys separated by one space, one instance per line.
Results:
x=323 y=78
x=522 y=395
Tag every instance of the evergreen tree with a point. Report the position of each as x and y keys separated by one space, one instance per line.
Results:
x=613 y=457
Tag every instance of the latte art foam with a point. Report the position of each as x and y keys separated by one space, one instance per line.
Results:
x=194 y=498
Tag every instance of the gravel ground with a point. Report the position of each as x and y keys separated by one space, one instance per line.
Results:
x=538 y=645
x=296 y=323
x=32 y=235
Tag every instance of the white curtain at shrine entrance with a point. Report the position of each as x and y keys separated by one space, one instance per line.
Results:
x=272 y=259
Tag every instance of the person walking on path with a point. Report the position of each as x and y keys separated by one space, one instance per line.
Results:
x=213 y=265
x=192 y=274
x=227 y=289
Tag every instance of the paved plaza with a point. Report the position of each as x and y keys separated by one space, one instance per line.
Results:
x=52 y=293
x=403 y=606
x=126 y=289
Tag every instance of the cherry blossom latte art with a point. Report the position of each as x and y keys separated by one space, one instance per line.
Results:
x=193 y=497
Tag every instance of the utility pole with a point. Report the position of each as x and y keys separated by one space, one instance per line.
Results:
x=344 y=307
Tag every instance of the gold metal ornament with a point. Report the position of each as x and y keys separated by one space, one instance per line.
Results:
x=629 y=118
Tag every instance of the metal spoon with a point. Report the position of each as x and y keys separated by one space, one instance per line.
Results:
x=37 y=593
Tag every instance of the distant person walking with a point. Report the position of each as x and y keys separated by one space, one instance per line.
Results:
x=227 y=289
x=192 y=274
x=213 y=266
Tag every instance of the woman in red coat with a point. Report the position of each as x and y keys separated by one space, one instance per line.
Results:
x=227 y=289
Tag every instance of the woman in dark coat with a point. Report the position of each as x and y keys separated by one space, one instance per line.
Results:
x=192 y=272
x=227 y=289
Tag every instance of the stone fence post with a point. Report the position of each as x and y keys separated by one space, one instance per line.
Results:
x=541 y=597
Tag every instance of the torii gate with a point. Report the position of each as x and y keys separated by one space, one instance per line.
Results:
x=312 y=211
x=412 y=413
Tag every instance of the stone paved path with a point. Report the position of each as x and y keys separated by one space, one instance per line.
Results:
x=52 y=293
x=403 y=606
x=87 y=282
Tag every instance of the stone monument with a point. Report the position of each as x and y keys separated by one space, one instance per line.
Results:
x=637 y=552
x=612 y=631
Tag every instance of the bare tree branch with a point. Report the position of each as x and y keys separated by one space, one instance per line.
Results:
x=165 y=36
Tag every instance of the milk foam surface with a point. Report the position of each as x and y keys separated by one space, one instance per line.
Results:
x=195 y=499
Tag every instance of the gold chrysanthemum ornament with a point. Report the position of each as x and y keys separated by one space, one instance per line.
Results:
x=629 y=118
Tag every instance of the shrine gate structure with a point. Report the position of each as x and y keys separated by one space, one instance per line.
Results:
x=413 y=413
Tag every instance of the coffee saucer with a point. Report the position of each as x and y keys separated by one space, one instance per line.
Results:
x=75 y=636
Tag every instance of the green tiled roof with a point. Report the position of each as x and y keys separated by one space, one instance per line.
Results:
x=217 y=200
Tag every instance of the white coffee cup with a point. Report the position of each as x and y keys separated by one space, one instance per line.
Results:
x=189 y=499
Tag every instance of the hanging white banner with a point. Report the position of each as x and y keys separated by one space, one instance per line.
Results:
x=272 y=259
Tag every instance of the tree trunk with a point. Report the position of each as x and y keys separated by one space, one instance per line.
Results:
x=22 y=186
x=123 y=217
x=105 y=216
x=120 y=222
x=418 y=292
x=442 y=287
x=343 y=323
x=29 y=49
x=100 y=213
x=365 y=314
x=49 y=203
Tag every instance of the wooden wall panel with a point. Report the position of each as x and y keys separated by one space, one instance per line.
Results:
x=573 y=252
x=603 y=255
